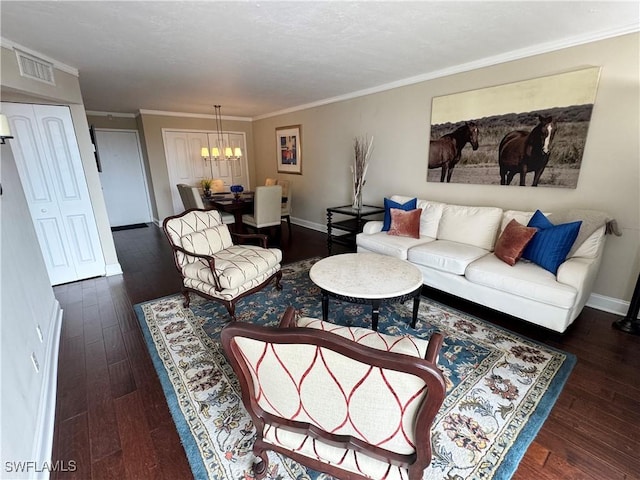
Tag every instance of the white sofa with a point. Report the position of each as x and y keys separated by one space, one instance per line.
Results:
x=455 y=255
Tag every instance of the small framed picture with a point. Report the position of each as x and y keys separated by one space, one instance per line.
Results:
x=289 y=149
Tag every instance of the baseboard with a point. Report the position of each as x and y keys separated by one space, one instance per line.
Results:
x=307 y=224
x=113 y=269
x=47 y=412
x=608 y=304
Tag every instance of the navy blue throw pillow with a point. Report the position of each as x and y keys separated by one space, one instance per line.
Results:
x=550 y=245
x=389 y=204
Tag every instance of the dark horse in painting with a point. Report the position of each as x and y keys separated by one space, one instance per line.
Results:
x=445 y=152
x=521 y=152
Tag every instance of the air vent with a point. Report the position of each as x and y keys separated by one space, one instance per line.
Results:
x=35 y=68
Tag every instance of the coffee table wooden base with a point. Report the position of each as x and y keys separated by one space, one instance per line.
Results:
x=375 y=304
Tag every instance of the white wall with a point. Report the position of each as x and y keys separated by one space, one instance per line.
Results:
x=26 y=301
x=399 y=120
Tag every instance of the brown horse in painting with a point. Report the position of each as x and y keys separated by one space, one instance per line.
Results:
x=521 y=152
x=445 y=152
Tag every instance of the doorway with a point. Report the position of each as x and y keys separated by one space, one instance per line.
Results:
x=123 y=178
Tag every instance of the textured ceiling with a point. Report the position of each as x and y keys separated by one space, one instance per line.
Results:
x=256 y=58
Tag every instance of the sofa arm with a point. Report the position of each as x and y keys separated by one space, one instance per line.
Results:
x=580 y=273
x=373 y=226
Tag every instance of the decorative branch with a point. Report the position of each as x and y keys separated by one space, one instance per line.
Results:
x=363 y=147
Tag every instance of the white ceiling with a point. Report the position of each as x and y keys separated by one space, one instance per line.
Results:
x=260 y=57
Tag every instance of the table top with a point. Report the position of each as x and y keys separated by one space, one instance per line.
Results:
x=366 y=275
x=349 y=210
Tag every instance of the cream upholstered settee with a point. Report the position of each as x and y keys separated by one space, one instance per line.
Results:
x=455 y=255
x=346 y=401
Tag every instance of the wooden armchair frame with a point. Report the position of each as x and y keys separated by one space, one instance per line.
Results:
x=425 y=369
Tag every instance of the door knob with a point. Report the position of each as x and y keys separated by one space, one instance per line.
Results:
x=43 y=210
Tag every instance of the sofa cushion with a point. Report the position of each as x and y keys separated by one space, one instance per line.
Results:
x=512 y=242
x=520 y=216
x=477 y=226
x=444 y=255
x=524 y=279
x=551 y=244
x=431 y=214
x=405 y=224
x=390 y=245
x=590 y=247
x=430 y=218
x=389 y=204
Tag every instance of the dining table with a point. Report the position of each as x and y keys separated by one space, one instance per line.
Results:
x=236 y=205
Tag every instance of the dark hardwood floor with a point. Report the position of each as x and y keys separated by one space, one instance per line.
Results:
x=113 y=421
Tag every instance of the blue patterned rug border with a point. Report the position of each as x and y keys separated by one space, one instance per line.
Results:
x=184 y=432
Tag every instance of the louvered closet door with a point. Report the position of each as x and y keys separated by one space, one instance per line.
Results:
x=50 y=168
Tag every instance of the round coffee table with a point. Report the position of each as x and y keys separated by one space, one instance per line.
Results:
x=367 y=278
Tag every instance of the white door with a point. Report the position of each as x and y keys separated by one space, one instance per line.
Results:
x=184 y=162
x=233 y=171
x=122 y=177
x=50 y=168
x=221 y=168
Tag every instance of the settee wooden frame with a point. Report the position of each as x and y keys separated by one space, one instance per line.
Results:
x=426 y=369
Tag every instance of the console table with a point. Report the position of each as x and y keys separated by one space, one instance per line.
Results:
x=352 y=226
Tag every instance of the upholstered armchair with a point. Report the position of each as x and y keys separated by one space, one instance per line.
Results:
x=212 y=266
x=350 y=402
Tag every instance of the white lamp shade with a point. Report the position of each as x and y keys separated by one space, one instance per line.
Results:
x=5 y=131
x=204 y=152
x=228 y=152
x=237 y=152
x=215 y=152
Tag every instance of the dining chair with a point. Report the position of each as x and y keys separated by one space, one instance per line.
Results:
x=285 y=210
x=195 y=200
x=217 y=185
x=270 y=182
x=267 y=207
x=185 y=195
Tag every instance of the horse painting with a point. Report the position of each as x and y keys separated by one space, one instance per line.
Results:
x=445 y=152
x=522 y=152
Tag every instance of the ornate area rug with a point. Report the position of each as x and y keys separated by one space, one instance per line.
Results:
x=500 y=386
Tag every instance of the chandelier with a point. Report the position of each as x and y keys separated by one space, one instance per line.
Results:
x=215 y=152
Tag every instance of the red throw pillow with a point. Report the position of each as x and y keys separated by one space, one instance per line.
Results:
x=513 y=241
x=405 y=223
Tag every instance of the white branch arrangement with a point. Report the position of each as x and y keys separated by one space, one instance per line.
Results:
x=362 y=149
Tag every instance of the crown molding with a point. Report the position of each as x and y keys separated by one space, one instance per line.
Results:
x=522 y=53
x=192 y=115
x=110 y=114
x=11 y=45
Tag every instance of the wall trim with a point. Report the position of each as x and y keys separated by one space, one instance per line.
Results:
x=110 y=114
x=307 y=224
x=47 y=410
x=466 y=67
x=608 y=304
x=192 y=115
x=113 y=269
